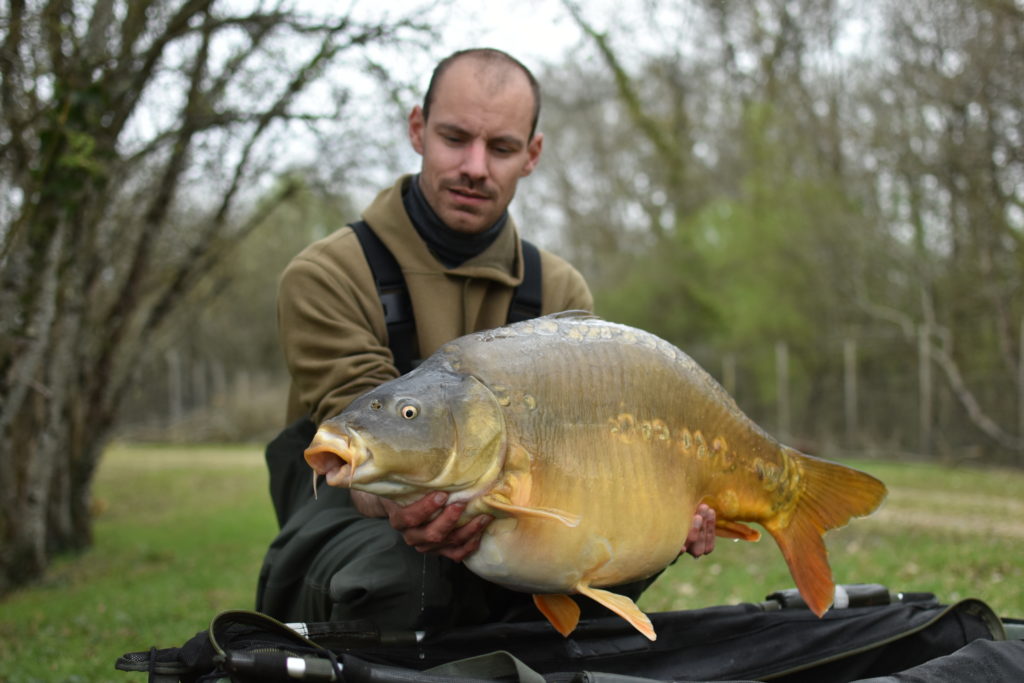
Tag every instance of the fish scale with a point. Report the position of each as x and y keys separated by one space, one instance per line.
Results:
x=591 y=444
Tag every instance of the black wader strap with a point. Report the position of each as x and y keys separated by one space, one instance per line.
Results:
x=394 y=297
x=526 y=299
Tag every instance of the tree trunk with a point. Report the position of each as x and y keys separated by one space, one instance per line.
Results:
x=100 y=246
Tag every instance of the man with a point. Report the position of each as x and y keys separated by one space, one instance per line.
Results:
x=351 y=555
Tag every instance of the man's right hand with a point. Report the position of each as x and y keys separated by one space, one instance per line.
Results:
x=428 y=525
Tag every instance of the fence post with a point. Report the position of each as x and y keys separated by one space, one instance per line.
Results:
x=175 y=387
x=220 y=383
x=200 y=384
x=924 y=370
x=850 y=391
x=782 y=387
x=1020 y=383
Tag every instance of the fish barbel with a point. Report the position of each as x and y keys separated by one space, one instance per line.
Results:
x=591 y=444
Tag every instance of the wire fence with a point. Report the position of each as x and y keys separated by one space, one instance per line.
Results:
x=879 y=395
x=868 y=395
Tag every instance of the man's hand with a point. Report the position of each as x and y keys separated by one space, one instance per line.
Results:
x=427 y=524
x=701 y=539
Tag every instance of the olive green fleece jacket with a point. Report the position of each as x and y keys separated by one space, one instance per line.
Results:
x=331 y=321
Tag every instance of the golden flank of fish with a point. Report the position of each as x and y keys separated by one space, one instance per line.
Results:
x=591 y=443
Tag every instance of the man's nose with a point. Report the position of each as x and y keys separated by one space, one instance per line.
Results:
x=474 y=160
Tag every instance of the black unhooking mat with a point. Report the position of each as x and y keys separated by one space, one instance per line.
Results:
x=906 y=638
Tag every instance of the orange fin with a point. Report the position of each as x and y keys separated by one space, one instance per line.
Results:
x=726 y=529
x=830 y=495
x=622 y=606
x=561 y=610
x=567 y=518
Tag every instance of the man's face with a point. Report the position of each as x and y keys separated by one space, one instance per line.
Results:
x=476 y=144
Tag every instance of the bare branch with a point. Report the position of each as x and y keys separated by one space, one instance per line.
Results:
x=154 y=216
x=204 y=256
x=95 y=46
x=667 y=148
x=970 y=404
x=201 y=259
x=136 y=76
x=132 y=28
x=12 y=73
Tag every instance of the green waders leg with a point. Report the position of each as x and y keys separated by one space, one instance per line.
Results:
x=330 y=563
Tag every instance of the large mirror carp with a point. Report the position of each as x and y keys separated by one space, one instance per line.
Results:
x=591 y=443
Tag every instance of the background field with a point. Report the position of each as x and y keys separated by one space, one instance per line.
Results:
x=180 y=534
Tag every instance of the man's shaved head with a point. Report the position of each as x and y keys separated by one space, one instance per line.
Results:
x=496 y=67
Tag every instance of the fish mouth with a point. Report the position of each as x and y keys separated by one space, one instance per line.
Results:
x=337 y=455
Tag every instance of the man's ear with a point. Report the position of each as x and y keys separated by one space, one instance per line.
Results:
x=533 y=150
x=417 y=126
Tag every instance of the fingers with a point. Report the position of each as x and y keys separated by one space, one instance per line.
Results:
x=434 y=533
x=417 y=513
x=701 y=537
x=466 y=539
x=695 y=536
x=709 y=516
x=429 y=526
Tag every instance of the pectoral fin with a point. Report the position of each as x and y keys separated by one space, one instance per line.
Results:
x=561 y=610
x=742 y=532
x=622 y=606
x=501 y=503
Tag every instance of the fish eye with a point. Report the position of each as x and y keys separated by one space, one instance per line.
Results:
x=409 y=411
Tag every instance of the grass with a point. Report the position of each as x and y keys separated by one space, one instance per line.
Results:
x=179 y=537
x=180 y=534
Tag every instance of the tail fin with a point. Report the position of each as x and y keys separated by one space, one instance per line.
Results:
x=830 y=495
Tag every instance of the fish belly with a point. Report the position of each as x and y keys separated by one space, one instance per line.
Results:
x=531 y=557
x=633 y=507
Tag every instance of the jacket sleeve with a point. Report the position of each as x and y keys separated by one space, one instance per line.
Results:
x=331 y=326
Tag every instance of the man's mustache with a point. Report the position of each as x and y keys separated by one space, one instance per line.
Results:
x=466 y=186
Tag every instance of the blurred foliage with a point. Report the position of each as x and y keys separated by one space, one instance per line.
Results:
x=816 y=177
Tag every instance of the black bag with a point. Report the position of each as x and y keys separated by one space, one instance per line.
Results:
x=915 y=638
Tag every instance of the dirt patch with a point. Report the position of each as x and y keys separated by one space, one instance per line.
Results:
x=956 y=513
x=192 y=458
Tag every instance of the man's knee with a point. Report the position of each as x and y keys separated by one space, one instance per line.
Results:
x=386 y=581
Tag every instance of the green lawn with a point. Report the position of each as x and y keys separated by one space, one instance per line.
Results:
x=180 y=534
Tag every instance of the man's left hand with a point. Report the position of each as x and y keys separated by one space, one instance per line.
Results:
x=430 y=526
x=701 y=538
